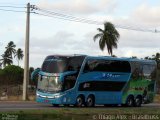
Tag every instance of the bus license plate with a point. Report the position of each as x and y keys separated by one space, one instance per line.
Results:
x=46 y=101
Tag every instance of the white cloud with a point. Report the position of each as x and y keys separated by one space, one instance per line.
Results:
x=144 y=17
x=61 y=42
x=130 y=44
x=80 y=6
x=77 y=38
x=147 y=14
x=136 y=39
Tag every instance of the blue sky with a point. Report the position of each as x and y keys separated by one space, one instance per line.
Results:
x=55 y=36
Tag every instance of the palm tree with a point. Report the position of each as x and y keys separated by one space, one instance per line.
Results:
x=157 y=57
x=6 y=59
x=19 y=55
x=107 y=37
x=0 y=66
x=10 y=49
x=134 y=57
x=114 y=56
x=146 y=58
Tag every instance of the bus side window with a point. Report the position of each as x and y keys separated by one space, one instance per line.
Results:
x=153 y=74
x=147 y=71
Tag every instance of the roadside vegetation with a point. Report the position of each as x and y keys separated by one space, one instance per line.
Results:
x=81 y=113
x=11 y=75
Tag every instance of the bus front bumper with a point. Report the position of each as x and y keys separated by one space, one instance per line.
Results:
x=56 y=99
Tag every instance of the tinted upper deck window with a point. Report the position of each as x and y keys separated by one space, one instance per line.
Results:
x=57 y=64
x=107 y=66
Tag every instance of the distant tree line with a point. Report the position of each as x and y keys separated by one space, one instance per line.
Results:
x=9 y=53
x=12 y=74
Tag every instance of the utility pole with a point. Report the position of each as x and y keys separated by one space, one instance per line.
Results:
x=26 y=55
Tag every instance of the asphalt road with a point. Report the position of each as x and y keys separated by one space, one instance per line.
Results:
x=11 y=106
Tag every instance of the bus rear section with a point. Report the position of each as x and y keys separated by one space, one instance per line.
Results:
x=141 y=86
x=115 y=81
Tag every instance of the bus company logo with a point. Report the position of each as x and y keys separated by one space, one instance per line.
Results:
x=109 y=75
x=86 y=85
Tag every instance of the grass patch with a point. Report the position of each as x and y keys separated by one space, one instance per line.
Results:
x=77 y=113
x=157 y=98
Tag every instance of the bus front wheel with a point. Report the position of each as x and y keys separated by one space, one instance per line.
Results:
x=79 y=101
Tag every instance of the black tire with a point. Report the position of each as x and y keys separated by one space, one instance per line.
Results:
x=55 y=105
x=79 y=101
x=138 y=101
x=130 y=101
x=90 y=101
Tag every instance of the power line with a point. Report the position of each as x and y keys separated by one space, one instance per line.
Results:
x=10 y=6
x=135 y=29
x=88 y=21
x=70 y=17
x=3 y=3
x=9 y=10
x=122 y=27
x=73 y=18
x=58 y=17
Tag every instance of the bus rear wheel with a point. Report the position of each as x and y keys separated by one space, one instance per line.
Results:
x=130 y=101
x=90 y=101
x=79 y=101
x=138 y=101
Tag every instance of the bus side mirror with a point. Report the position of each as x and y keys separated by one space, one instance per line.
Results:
x=35 y=73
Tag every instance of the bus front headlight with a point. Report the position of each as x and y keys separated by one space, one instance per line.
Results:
x=37 y=94
x=57 y=96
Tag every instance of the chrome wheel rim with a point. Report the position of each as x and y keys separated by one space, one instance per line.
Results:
x=90 y=101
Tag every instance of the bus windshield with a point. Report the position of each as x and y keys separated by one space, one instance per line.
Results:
x=50 y=84
x=58 y=64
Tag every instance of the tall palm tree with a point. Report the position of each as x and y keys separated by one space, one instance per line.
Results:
x=157 y=57
x=107 y=37
x=10 y=49
x=6 y=59
x=146 y=58
x=19 y=55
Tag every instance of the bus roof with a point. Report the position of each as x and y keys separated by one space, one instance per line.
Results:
x=69 y=55
x=109 y=58
x=122 y=59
